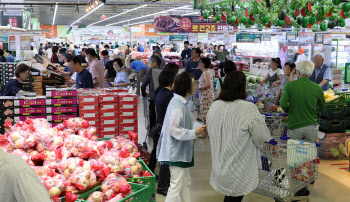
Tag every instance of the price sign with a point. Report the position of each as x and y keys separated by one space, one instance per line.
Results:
x=25 y=43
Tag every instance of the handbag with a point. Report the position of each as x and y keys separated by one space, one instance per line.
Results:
x=155 y=130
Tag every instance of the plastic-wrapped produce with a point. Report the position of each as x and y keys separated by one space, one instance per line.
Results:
x=77 y=145
x=113 y=185
x=88 y=133
x=68 y=166
x=55 y=185
x=131 y=168
x=96 y=196
x=82 y=178
x=44 y=171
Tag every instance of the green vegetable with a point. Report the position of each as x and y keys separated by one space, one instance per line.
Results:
x=260 y=27
x=334 y=151
x=282 y=15
x=312 y=20
x=258 y=79
x=280 y=23
x=342 y=149
x=346 y=7
x=252 y=80
x=332 y=18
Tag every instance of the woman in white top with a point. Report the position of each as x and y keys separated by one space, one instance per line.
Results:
x=237 y=130
x=289 y=75
x=275 y=72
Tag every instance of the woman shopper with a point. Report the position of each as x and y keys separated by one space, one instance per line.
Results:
x=275 y=72
x=237 y=130
x=228 y=67
x=175 y=146
x=206 y=88
x=221 y=53
x=289 y=75
x=54 y=57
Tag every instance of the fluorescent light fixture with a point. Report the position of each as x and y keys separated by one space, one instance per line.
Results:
x=119 y=14
x=54 y=15
x=88 y=13
x=148 y=15
x=138 y=23
x=194 y=13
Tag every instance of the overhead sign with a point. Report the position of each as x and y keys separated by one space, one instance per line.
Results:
x=14 y=21
x=248 y=38
x=177 y=38
x=199 y=3
x=4 y=39
x=266 y=38
x=291 y=36
x=14 y=13
x=188 y=24
x=306 y=37
x=136 y=29
x=12 y=43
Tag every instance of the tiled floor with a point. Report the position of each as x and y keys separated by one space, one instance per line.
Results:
x=333 y=184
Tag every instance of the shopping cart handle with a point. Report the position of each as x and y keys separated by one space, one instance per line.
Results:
x=283 y=114
x=272 y=141
x=285 y=138
x=317 y=144
x=267 y=114
x=344 y=89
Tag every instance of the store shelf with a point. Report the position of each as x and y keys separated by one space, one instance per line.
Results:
x=254 y=57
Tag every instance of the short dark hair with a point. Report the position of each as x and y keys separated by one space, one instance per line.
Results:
x=1 y=52
x=278 y=61
x=290 y=64
x=91 y=51
x=166 y=78
x=234 y=87
x=119 y=61
x=54 y=49
x=75 y=60
x=207 y=62
x=67 y=56
x=7 y=51
x=186 y=42
x=156 y=59
x=75 y=46
x=198 y=43
x=41 y=44
x=116 y=46
x=183 y=84
x=198 y=51
x=229 y=66
x=132 y=60
x=106 y=46
x=172 y=67
x=105 y=52
x=20 y=69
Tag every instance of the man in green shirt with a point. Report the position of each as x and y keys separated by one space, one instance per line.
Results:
x=303 y=100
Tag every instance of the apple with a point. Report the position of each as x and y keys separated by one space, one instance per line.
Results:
x=132 y=161
x=92 y=181
x=135 y=170
x=68 y=145
x=19 y=144
x=87 y=166
x=46 y=153
x=51 y=157
x=71 y=188
x=299 y=177
x=87 y=175
x=75 y=151
x=74 y=179
x=63 y=165
x=54 y=191
x=104 y=188
x=15 y=136
x=57 y=141
x=40 y=147
x=30 y=141
x=129 y=147
x=66 y=174
x=109 y=193
x=83 y=182
x=49 y=183
x=33 y=153
x=82 y=147
x=71 y=167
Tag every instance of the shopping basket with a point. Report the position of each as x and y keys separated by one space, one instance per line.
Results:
x=287 y=167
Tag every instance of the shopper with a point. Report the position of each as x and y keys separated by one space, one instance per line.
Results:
x=41 y=49
x=221 y=53
x=134 y=48
x=140 y=49
x=301 y=56
x=127 y=50
x=110 y=72
x=322 y=74
x=82 y=56
x=199 y=45
x=295 y=56
x=211 y=48
x=158 y=52
x=289 y=75
x=54 y=57
x=49 y=52
x=116 y=50
x=151 y=80
x=186 y=53
x=165 y=94
x=175 y=146
x=172 y=67
x=108 y=49
x=303 y=100
x=233 y=50
x=96 y=68
x=121 y=78
x=237 y=131
x=141 y=70
x=147 y=46
x=192 y=65
x=14 y=85
x=2 y=57
x=228 y=67
x=19 y=181
x=105 y=57
x=84 y=78
x=206 y=88
x=10 y=57
x=67 y=71
x=275 y=72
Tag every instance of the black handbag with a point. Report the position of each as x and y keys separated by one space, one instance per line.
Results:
x=155 y=130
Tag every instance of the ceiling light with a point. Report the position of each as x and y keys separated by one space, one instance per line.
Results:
x=149 y=15
x=127 y=11
x=54 y=15
x=31 y=9
x=87 y=9
x=51 y=10
x=99 y=6
x=92 y=6
x=96 y=2
x=77 y=9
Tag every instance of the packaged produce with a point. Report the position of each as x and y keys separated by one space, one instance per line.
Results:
x=113 y=185
x=77 y=145
x=21 y=153
x=55 y=185
x=131 y=168
x=44 y=171
x=68 y=166
x=112 y=160
x=82 y=178
x=89 y=133
x=96 y=196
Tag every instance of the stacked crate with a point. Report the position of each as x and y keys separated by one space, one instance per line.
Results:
x=7 y=71
x=127 y=113
x=61 y=104
x=29 y=107
x=6 y=111
x=109 y=125
x=89 y=108
x=333 y=117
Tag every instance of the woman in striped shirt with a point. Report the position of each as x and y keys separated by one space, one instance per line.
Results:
x=237 y=130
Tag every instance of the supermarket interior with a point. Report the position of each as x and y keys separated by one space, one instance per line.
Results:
x=174 y=100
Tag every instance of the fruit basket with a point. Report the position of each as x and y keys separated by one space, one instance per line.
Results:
x=333 y=126
x=336 y=109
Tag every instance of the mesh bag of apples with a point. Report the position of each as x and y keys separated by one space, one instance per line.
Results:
x=68 y=159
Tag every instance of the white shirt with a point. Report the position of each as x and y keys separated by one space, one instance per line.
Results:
x=49 y=53
x=116 y=51
x=278 y=71
x=300 y=58
x=237 y=131
x=19 y=181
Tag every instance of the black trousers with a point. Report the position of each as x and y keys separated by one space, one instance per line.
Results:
x=152 y=120
x=164 y=177
x=233 y=198
x=152 y=113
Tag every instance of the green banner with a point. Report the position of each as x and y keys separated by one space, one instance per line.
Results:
x=202 y=3
x=177 y=38
x=154 y=40
x=248 y=38
x=62 y=31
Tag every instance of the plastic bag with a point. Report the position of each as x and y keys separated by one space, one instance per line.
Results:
x=82 y=178
x=96 y=196
x=55 y=185
x=89 y=133
x=131 y=148
x=112 y=160
x=48 y=137
x=21 y=153
x=68 y=166
x=131 y=168
x=76 y=144
x=76 y=123
x=113 y=185
x=44 y=171
x=20 y=139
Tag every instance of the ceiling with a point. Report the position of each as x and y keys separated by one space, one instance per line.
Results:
x=66 y=14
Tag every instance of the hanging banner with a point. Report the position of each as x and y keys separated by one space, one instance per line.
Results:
x=12 y=43
x=52 y=30
x=62 y=31
x=211 y=38
x=163 y=39
x=25 y=43
x=95 y=40
x=291 y=36
x=178 y=38
x=136 y=29
x=188 y=24
x=154 y=40
x=233 y=38
x=14 y=21
x=18 y=46
x=248 y=38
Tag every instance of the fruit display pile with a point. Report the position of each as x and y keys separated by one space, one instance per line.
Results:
x=329 y=95
x=68 y=158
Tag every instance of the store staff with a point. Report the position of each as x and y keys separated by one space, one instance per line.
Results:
x=84 y=78
x=141 y=70
x=275 y=73
x=14 y=85
x=322 y=74
x=186 y=53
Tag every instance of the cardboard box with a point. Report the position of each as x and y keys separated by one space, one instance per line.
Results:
x=108 y=98
x=131 y=121
x=109 y=122
x=7 y=118
x=6 y=111
x=88 y=107
x=111 y=115
x=127 y=114
x=59 y=94
x=106 y=132
x=37 y=85
x=59 y=102
x=30 y=110
x=29 y=102
x=37 y=78
x=127 y=107
x=6 y=101
x=127 y=98
x=60 y=118
x=125 y=128
x=109 y=107
x=60 y=110
x=39 y=92
x=23 y=118
x=88 y=99
x=94 y=122
x=89 y=115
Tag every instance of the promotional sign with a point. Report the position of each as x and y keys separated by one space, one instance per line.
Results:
x=4 y=39
x=193 y=39
x=266 y=38
x=95 y=40
x=154 y=40
x=136 y=29
x=203 y=37
x=12 y=43
x=219 y=37
x=247 y=38
x=188 y=24
x=13 y=20
x=25 y=43
x=177 y=38
x=164 y=39
x=306 y=37
x=227 y=42
x=327 y=39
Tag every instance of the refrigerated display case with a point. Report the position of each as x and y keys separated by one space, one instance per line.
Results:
x=340 y=53
x=292 y=48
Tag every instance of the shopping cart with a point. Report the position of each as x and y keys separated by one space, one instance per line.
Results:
x=146 y=116
x=276 y=123
x=287 y=167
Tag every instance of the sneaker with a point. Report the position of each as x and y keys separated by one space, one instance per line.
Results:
x=303 y=192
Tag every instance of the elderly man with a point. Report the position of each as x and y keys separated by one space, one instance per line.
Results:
x=322 y=74
x=303 y=100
